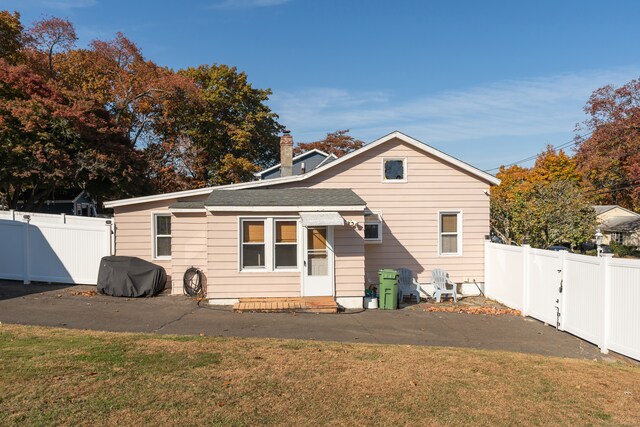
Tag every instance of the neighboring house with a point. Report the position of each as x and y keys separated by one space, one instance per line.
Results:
x=618 y=225
x=71 y=202
x=301 y=164
x=395 y=202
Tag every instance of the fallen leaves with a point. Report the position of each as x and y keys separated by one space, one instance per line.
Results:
x=491 y=311
x=84 y=293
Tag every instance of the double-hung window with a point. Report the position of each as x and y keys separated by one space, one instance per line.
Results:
x=253 y=244
x=269 y=244
x=285 y=245
x=372 y=227
x=162 y=236
x=450 y=233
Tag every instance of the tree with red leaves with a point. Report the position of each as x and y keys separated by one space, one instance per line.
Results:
x=338 y=143
x=53 y=138
x=50 y=36
x=609 y=159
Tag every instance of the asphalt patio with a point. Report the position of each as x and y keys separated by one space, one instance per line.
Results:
x=73 y=307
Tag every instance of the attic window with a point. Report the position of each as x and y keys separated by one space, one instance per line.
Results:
x=394 y=170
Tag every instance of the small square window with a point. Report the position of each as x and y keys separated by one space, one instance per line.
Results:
x=394 y=170
x=373 y=227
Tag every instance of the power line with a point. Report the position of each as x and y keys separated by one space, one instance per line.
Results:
x=559 y=147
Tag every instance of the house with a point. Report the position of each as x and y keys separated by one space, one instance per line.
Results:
x=395 y=202
x=618 y=225
x=301 y=164
x=71 y=202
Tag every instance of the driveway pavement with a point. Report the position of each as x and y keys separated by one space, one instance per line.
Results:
x=66 y=306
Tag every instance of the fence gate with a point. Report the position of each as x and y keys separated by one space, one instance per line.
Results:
x=544 y=294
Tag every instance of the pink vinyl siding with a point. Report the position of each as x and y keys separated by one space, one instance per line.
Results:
x=410 y=210
x=188 y=247
x=226 y=281
x=349 y=251
x=134 y=230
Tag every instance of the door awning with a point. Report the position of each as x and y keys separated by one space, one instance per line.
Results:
x=315 y=219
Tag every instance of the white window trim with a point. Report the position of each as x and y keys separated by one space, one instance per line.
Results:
x=404 y=167
x=269 y=242
x=155 y=235
x=241 y=244
x=459 y=233
x=298 y=245
x=379 y=222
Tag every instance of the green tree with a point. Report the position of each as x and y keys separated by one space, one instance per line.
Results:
x=544 y=205
x=230 y=123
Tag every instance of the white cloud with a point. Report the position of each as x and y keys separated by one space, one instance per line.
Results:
x=515 y=108
x=247 y=4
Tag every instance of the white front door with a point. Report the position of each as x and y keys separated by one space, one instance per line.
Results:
x=317 y=268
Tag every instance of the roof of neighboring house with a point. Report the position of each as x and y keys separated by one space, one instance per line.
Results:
x=621 y=224
x=484 y=176
x=311 y=160
x=600 y=209
x=290 y=197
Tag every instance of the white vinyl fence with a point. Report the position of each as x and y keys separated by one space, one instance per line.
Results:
x=53 y=248
x=595 y=298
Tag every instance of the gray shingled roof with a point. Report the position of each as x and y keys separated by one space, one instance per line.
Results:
x=187 y=205
x=285 y=197
x=623 y=224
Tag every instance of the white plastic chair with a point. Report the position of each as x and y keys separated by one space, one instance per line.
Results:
x=443 y=285
x=407 y=285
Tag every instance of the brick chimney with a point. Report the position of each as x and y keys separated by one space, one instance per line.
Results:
x=286 y=154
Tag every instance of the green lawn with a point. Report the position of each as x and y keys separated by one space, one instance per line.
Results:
x=57 y=376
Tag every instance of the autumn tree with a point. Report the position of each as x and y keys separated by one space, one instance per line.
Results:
x=11 y=37
x=337 y=143
x=48 y=37
x=543 y=205
x=230 y=123
x=609 y=158
x=51 y=138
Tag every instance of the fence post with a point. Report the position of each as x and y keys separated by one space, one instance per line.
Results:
x=12 y=212
x=606 y=327
x=486 y=264
x=526 y=282
x=108 y=237
x=64 y=218
x=26 y=276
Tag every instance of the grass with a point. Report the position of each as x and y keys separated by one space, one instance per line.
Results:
x=55 y=376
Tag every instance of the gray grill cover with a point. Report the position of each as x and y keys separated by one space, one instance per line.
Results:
x=123 y=276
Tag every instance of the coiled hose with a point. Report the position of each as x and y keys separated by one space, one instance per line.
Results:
x=192 y=282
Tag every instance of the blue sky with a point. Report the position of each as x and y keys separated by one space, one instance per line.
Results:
x=490 y=82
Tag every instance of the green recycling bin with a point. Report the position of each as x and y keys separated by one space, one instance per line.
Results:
x=388 y=289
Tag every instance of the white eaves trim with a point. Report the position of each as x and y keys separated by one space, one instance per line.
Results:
x=158 y=197
x=285 y=208
x=401 y=136
x=192 y=210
